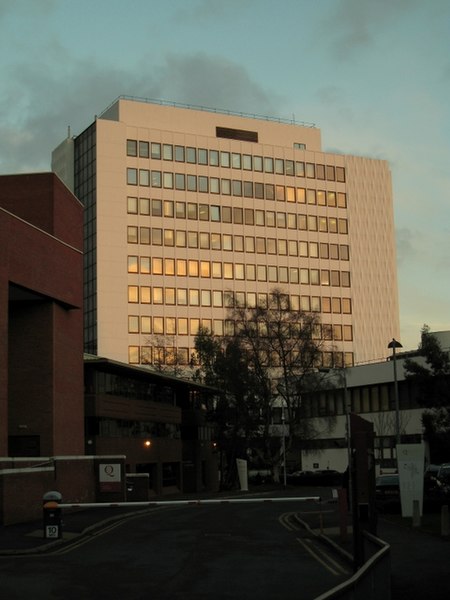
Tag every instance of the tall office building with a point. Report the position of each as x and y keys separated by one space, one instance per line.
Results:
x=185 y=207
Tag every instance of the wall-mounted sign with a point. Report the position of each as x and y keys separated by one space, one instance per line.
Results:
x=110 y=477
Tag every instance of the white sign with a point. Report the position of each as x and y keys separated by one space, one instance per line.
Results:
x=109 y=473
x=51 y=531
x=242 y=473
x=410 y=463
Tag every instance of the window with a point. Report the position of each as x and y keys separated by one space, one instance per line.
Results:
x=156 y=180
x=310 y=171
x=133 y=324
x=156 y=208
x=132 y=234
x=131 y=176
x=145 y=264
x=155 y=149
x=235 y=160
x=225 y=159
x=133 y=355
x=202 y=156
x=132 y=205
x=131 y=148
x=132 y=264
x=180 y=181
x=167 y=152
x=191 y=155
x=146 y=324
x=179 y=153
x=214 y=158
x=133 y=293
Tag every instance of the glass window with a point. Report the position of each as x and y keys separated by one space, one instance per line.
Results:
x=248 y=189
x=158 y=325
x=168 y=208
x=345 y=279
x=144 y=149
x=133 y=324
x=180 y=208
x=312 y=223
x=342 y=200
x=323 y=225
x=132 y=234
x=169 y=266
x=340 y=174
x=261 y=273
x=280 y=193
x=171 y=326
x=226 y=186
x=310 y=170
x=293 y=248
x=133 y=355
x=227 y=242
x=330 y=173
x=239 y=271
x=194 y=326
x=225 y=159
x=214 y=158
x=132 y=264
x=216 y=241
x=236 y=160
x=191 y=155
x=301 y=195
x=145 y=294
x=145 y=264
x=181 y=267
x=182 y=296
x=133 y=293
x=214 y=185
x=320 y=171
x=194 y=297
x=180 y=239
x=192 y=183
x=217 y=270
x=156 y=236
x=156 y=208
x=155 y=150
x=206 y=298
x=250 y=272
x=144 y=206
x=258 y=163
x=247 y=162
x=180 y=181
x=168 y=181
x=321 y=198
x=250 y=244
x=157 y=266
x=205 y=268
x=279 y=166
x=271 y=246
x=182 y=326
x=269 y=191
x=203 y=184
x=169 y=237
x=193 y=268
x=192 y=237
x=131 y=147
x=156 y=179
x=239 y=243
x=237 y=187
x=202 y=156
x=343 y=228
x=167 y=152
x=259 y=190
x=238 y=215
x=228 y=270
x=300 y=169
x=215 y=213
x=335 y=279
x=261 y=245
x=131 y=176
x=268 y=164
x=204 y=240
x=192 y=211
x=146 y=324
x=179 y=153
x=294 y=275
x=203 y=212
x=132 y=205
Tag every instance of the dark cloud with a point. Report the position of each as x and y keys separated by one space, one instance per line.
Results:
x=353 y=24
x=48 y=97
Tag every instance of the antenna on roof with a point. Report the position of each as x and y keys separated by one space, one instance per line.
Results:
x=68 y=131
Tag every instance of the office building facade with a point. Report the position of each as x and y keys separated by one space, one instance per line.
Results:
x=188 y=209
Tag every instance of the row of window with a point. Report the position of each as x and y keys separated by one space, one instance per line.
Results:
x=242 y=216
x=218 y=299
x=238 y=271
x=234 y=187
x=233 y=160
x=184 y=326
x=164 y=355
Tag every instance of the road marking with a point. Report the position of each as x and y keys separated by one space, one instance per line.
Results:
x=315 y=555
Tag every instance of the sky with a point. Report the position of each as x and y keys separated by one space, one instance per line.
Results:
x=373 y=75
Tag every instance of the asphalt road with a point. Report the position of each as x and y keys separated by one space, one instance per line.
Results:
x=207 y=552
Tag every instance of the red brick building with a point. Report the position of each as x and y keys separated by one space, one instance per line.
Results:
x=41 y=343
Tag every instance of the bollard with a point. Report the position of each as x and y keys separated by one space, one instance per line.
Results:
x=52 y=522
x=444 y=520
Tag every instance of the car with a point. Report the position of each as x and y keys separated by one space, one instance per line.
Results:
x=443 y=474
x=387 y=491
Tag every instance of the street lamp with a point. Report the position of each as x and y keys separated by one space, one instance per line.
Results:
x=395 y=344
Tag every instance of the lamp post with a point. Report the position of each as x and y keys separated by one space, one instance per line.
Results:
x=284 y=445
x=394 y=344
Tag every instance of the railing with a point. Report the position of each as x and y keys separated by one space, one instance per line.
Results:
x=233 y=113
x=372 y=581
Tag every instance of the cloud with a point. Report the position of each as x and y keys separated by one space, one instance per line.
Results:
x=43 y=98
x=354 y=24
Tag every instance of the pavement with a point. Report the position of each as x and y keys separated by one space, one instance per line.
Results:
x=420 y=561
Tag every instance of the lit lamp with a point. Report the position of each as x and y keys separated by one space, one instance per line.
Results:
x=394 y=344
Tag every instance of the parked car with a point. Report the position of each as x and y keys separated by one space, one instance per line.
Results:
x=319 y=477
x=387 y=492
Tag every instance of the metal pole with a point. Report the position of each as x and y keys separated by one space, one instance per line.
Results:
x=397 y=409
x=349 y=446
x=284 y=446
